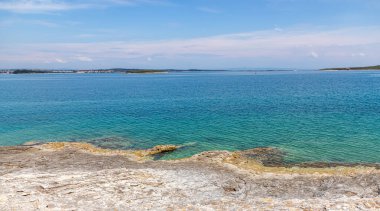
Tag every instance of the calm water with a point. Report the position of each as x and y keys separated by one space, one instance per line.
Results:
x=313 y=116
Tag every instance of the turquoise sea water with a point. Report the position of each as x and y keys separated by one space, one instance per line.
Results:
x=311 y=115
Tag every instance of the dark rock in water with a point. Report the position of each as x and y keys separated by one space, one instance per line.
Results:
x=332 y=164
x=111 y=143
x=268 y=156
x=157 y=150
x=162 y=148
x=273 y=157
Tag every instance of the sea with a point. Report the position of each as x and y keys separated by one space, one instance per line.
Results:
x=309 y=115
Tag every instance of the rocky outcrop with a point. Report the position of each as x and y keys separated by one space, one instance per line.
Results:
x=77 y=176
x=156 y=150
x=136 y=155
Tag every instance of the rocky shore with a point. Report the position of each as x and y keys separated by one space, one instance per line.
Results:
x=79 y=176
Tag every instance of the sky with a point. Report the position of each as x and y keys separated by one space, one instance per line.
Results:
x=184 y=34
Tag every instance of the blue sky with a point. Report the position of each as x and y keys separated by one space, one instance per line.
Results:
x=189 y=34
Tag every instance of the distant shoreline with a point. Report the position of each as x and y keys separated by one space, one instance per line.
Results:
x=114 y=70
x=147 y=72
x=377 y=67
x=130 y=71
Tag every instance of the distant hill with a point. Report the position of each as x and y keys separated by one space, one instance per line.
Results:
x=29 y=71
x=110 y=70
x=377 y=67
x=145 y=71
x=124 y=70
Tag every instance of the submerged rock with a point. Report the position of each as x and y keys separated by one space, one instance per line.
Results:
x=332 y=165
x=111 y=143
x=156 y=150
x=265 y=155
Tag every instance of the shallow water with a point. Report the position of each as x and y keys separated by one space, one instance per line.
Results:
x=311 y=115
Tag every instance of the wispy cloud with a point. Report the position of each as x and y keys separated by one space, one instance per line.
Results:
x=209 y=10
x=84 y=58
x=85 y=36
x=314 y=54
x=137 y=2
x=11 y=22
x=329 y=46
x=38 y=6
x=46 y=6
x=59 y=60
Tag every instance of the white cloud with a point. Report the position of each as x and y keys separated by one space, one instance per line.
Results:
x=60 y=60
x=46 y=6
x=11 y=22
x=37 y=6
x=297 y=45
x=209 y=10
x=278 y=29
x=128 y=2
x=314 y=54
x=84 y=58
x=86 y=35
x=361 y=54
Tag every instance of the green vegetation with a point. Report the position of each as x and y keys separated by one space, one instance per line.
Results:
x=145 y=71
x=377 y=67
x=25 y=71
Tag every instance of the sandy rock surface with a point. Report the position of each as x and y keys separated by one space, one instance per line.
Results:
x=73 y=177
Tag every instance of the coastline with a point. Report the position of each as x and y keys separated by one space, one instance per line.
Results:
x=80 y=176
x=366 y=68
